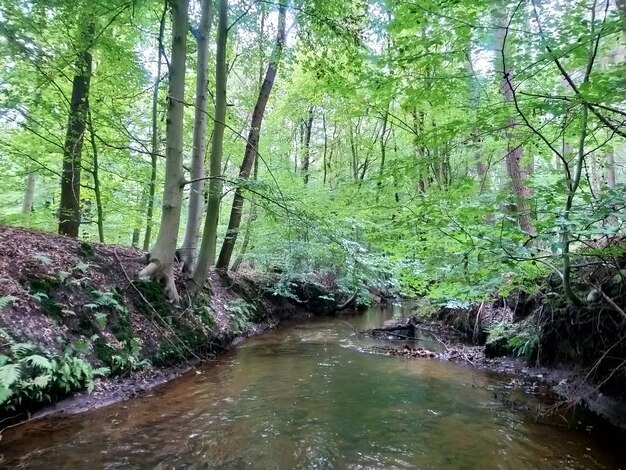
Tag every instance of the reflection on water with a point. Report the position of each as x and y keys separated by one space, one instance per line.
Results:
x=307 y=397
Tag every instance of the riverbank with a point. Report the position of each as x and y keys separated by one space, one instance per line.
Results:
x=565 y=387
x=80 y=331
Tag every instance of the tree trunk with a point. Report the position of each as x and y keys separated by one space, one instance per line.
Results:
x=383 y=152
x=515 y=152
x=29 y=194
x=610 y=169
x=161 y=259
x=418 y=131
x=252 y=144
x=308 y=126
x=206 y=257
x=96 y=180
x=69 y=211
x=154 y=149
x=196 y=196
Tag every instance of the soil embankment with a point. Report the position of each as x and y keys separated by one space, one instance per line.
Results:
x=75 y=319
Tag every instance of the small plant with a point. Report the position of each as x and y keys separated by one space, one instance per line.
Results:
x=520 y=339
x=6 y=300
x=30 y=375
x=120 y=361
x=241 y=313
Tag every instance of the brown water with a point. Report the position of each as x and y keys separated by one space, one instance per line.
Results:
x=307 y=396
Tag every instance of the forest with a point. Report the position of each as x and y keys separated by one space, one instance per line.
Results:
x=451 y=151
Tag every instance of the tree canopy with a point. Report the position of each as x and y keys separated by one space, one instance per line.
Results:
x=442 y=148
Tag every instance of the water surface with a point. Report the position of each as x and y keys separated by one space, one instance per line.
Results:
x=307 y=396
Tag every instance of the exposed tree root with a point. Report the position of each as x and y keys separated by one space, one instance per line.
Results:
x=163 y=274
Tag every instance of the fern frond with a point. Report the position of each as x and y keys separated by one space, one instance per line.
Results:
x=37 y=360
x=21 y=350
x=42 y=381
x=9 y=374
x=6 y=300
x=5 y=394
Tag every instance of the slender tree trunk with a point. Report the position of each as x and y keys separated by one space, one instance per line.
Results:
x=196 y=196
x=69 y=213
x=610 y=169
x=96 y=180
x=308 y=126
x=29 y=194
x=418 y=130
x=251 y=218
x=154 y=149
x=161 y=260
x=252 y=144
x=354 y=153
x=515 y=153
x=383 y=153
x=325 y=154
x=206 y=257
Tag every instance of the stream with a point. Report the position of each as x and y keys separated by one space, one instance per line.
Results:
x=309 y=396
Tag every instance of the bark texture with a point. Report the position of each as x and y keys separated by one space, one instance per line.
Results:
x=515 y=153
x=154 y=148
x=29 y=193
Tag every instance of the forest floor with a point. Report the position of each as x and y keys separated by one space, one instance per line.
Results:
x=63 y=296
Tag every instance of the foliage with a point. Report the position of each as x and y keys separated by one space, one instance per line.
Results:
x=402 y=183
x=521 y=338
x=29 y=375
x=241 y=314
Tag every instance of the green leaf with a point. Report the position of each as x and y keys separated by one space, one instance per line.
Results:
x=6 y=300
x=37 y=360
x=42 y=381
x=9 y=374
x=5 y=393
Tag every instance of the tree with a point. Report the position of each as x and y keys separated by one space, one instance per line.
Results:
x=161 y=259
x=154 y=134
x=69 y=210
x=206 y=256
x=196 y=195
x=252 y=143
x=515 y=151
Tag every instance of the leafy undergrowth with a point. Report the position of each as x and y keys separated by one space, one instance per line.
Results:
x=546 y=329
x=72 y=311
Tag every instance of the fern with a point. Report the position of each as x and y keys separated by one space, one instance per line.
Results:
x=42 y=381
x=21 y=350
x=6 y=300
x=39 y=361
x=5 y=393
x=9 y=374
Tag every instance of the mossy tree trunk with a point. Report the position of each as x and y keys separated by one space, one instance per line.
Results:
x=69 y=210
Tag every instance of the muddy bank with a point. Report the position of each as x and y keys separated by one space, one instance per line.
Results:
x=74 y=318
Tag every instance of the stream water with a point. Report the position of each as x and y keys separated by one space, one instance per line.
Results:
x=307 y=396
